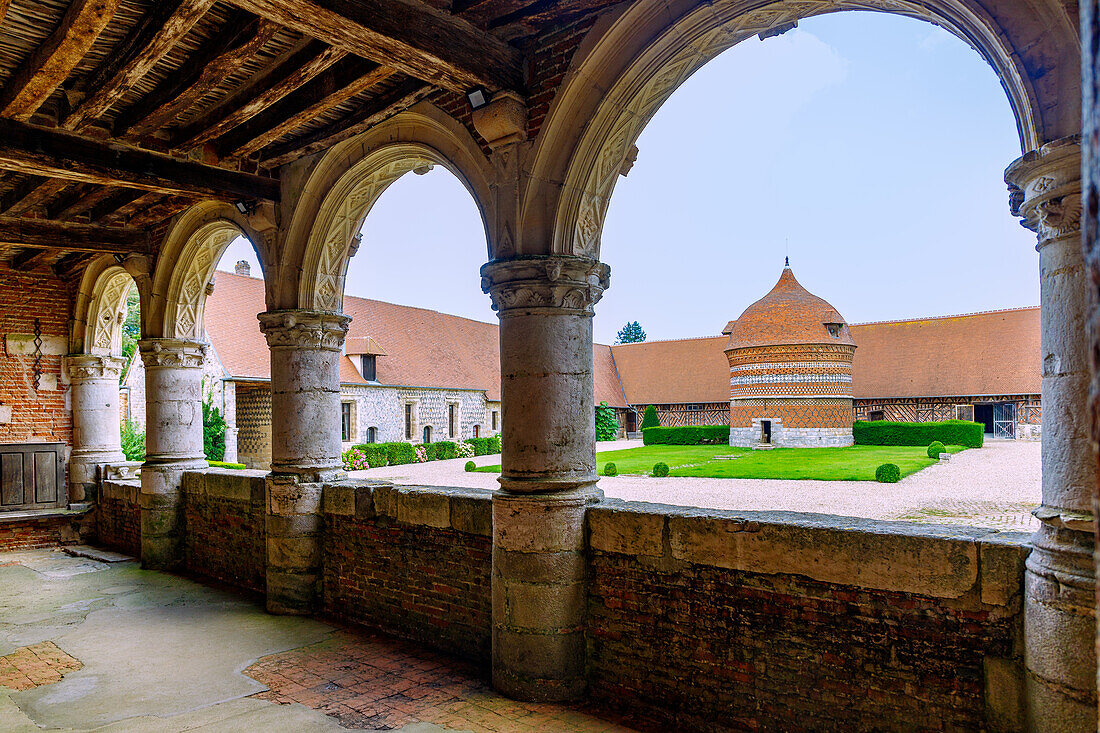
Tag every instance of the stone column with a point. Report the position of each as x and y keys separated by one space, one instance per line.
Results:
x=96 y=427
x=1059 y=606
x=173 y=443
x=545 y=306
x=305 y=449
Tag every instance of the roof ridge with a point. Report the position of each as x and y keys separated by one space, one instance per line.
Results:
x=949 y=315
x=668 y=341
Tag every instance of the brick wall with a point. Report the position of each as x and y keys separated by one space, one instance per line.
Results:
x=774 y=621
x=413 y=562
x=224 y=516
x=40 y=413
x=66 y=528
x=118 y=517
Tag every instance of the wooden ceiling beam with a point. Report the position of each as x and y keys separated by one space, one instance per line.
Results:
x=29 y=259
x=52 y=62
x=241 y=38
x=343 y=81
x=71 y=236
x=416 y=40
x=402 y=97
x=77 y=200
x=295 y=68
x=120 y=198
x=40 y=151
x=155 y=35
x=34 y=194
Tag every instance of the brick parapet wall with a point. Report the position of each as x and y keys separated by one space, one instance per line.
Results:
x=118 y=516
x=411 y=561
x=712 y=620
x=36 y=529
x=225 y=520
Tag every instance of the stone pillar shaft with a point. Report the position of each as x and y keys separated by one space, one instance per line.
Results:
x=173 y=443
x=96 y=428
x=305 y=449
x=548 y=474
x=1059 y=606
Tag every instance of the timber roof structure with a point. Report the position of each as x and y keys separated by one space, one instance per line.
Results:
x=117 y=114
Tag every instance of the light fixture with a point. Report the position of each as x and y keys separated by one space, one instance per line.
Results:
x=478 y=97
x=242 y=206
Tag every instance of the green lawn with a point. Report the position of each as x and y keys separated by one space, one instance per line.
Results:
x=857 y=463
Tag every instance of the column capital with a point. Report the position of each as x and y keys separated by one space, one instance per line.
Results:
x=94 y=366
x=304 y=329
x=1044 y=189
x=541 y=282
x=166 y=352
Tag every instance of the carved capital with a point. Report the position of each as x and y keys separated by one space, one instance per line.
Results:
x=502 y=121
x=556 y=282
x=181 y=353
x=1044 y=189
x=302 y=329
x=93 y=366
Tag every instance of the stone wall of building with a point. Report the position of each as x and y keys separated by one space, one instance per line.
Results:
x=29 y=413
x=253 y=408
x=383 y=408
x=411 y=561
x=118 y=516
x=784 y=621
x=786 y=437
x=225 y=518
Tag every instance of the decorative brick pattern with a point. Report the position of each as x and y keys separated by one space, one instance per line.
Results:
x=254 y=426
x=33 y=666
x=793 y=416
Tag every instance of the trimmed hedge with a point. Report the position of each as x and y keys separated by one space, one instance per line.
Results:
x=888 y=473
x=375 y=453
x=470 y=466
x=485 y=446
x=660 y=470
x=398 y=454
x=440 y=450
x=935 y=449
x=610 y=469
x=688 y=435
x=948 y=432
x=223 y=464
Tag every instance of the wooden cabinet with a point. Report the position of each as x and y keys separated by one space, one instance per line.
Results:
x=32 y=476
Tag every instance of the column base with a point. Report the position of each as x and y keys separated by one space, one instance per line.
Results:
x=161 y=501
x=294 y=543
x=84 y=471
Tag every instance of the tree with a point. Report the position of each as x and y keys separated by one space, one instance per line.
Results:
x=213 y=428
x=649 y=418
x=607 y=426
x=131 y=328
x=631 y=333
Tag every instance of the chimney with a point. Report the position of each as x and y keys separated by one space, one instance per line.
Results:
x=242 y=268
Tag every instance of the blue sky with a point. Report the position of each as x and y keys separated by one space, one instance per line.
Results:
x=871 y=146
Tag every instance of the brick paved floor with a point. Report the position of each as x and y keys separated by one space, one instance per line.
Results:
x=38 y=664
x=376 y=682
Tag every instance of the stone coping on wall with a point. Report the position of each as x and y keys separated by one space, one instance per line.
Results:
x=233 y=484
x=981 y=567
x=120 y=490
x=442 y=507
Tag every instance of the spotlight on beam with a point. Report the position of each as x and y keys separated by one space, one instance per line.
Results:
x=478 y=97
x=242 y=206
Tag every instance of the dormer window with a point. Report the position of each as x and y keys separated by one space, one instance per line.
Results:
x=370 y=371
x=834 y=329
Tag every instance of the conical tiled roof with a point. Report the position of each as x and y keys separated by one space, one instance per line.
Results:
x=789 y=314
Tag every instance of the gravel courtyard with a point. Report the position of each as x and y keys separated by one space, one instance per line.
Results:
x=996 y=486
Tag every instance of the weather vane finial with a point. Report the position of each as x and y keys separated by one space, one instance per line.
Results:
x=786 y=262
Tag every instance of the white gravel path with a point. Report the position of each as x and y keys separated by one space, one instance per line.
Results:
x=995 y=486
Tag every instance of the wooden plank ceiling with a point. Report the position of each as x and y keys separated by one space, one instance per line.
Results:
x=117 y=114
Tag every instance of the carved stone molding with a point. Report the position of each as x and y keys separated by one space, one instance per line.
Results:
x=557 y=282
x=302 y=329
x=180 y=353
x=1044 y=189
x=502 y=121
x=93 y=366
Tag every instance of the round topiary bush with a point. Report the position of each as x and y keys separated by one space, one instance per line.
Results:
x=935 y=448
x=660 y=470
x=610 y=470
x=470 y=466
x=888 y=473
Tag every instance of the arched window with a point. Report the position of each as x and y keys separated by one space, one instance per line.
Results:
x=427 y=433
x=477 y=431
x=372 y=435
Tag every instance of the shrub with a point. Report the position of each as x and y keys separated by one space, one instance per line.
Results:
x=479 y=445
x=213 y=432
x=398 y=454
x=223 y=464
x=421 y=452
x=470 y=466
x=948 y=432
x=935 y=449
x=660 y=469
x=374 y=454
x=494 y=444
x=607 y=427
x=133 y=441
x=354 y=459
x=444 y=450
x=464 y=450
x=610 y=469
x=689 y=435
x=888 y=473
x=649 y=418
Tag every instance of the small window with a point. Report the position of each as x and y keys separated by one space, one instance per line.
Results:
x=876 y=415
x=427 y=433
x=477 y=431
x=345 y=421
x=494 y=420
x=370 y=371
x=408 y=421
x=451 y=427
x=372 y=435
x=834 y=329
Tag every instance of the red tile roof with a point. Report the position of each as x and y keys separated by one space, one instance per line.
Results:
x=669 y=372
x=788 y=314
x=423 y=348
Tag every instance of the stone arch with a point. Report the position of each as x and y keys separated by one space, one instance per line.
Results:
x=191 y=250
x=632 y=63
x=98 y=311
x=341 y=187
